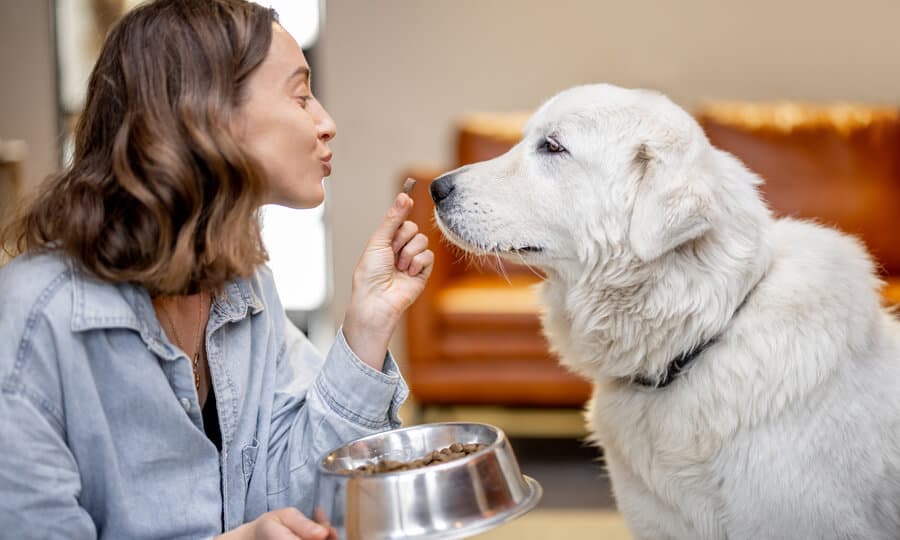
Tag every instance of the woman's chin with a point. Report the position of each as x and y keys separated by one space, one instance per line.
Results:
x=312 y=197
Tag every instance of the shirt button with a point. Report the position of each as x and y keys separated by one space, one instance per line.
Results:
x=186 y=403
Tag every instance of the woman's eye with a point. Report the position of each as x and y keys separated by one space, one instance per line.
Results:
x=552 y=145
x=303 y=100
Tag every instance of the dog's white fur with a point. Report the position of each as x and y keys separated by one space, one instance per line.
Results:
x=788 y=426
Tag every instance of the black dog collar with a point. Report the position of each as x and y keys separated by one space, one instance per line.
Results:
x=677 y=366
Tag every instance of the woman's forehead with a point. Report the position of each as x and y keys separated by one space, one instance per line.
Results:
x=285 y=58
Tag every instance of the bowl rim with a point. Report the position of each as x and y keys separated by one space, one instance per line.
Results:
x=500 y=437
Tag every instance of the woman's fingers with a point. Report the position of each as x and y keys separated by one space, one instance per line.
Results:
x=422 y=263
x=301 y=525
x=404 y=234
x=418 y=244
x=322 y=519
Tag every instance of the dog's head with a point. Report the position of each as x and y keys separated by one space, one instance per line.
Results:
x=600 y=172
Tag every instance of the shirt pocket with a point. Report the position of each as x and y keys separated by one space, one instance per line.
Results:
x=248 y=458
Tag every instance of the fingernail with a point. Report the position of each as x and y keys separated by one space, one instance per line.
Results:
x=318 y=529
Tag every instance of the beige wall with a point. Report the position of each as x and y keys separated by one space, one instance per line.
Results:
x=27 y=87
x=395 y=73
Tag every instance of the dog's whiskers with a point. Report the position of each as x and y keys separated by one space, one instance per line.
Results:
x=530 y=268
x=501 y=268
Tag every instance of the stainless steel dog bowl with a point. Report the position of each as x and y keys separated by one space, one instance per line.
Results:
x=455 y=499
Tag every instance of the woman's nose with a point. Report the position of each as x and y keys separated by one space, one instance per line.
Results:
x=326 y=126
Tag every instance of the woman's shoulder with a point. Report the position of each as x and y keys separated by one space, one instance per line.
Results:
x=31 y=276
x=52 y=288
x=36 y=293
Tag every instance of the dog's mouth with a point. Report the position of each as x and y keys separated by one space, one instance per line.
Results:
x=527 y=249
x=483 y=248
x=490 y=249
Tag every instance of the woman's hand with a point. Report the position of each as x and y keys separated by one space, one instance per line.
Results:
x=390 y=275
x=284 y=524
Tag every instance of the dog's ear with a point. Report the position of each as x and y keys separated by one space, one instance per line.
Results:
x=671 y=206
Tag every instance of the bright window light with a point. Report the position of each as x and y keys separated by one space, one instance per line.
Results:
x=299 y=17
x=295 y=240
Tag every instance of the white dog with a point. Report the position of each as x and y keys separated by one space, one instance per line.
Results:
x=747 y=380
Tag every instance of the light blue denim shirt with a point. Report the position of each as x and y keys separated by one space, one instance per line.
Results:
x=101 y=433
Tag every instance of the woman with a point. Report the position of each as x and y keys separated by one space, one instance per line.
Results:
x=151 y=384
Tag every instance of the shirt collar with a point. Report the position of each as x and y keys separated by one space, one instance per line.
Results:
x=101 y=305
x=237 y=298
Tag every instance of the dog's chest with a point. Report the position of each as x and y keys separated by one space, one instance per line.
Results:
x=576 y=349
x=649 y=453
x=659 y=429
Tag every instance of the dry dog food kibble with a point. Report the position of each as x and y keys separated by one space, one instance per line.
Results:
x=454 y=451
x=408 y=185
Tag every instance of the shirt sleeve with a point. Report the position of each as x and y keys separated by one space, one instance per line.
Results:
x=39 y=478
x=320 y=404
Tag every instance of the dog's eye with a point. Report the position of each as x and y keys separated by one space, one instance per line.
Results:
x=552 y=146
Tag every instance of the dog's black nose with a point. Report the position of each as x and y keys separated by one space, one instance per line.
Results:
x=441 y=188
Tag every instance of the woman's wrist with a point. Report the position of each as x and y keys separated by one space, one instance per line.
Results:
x=368 y=337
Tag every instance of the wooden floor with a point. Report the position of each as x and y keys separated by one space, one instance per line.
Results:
x=555 y=524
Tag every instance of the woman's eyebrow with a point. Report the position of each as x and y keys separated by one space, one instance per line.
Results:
x=301 y=71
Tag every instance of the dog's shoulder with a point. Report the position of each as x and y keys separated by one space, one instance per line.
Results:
x=813 y=265
x=816 y=308
x=818 y=279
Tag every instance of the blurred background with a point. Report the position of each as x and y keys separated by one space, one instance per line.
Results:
x=806 y=92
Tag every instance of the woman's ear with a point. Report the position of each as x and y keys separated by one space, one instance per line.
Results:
x=672 y=205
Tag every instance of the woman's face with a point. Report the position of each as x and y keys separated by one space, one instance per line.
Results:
x=284 y=128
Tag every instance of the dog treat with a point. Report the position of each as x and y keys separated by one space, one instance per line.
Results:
x=408 y=185
x=436 y=457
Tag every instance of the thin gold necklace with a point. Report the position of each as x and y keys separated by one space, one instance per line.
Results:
x=196 y=359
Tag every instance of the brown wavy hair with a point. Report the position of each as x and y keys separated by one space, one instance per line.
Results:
x=160 y=193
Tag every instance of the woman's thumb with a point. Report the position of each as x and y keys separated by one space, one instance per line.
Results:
x=394 y=218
